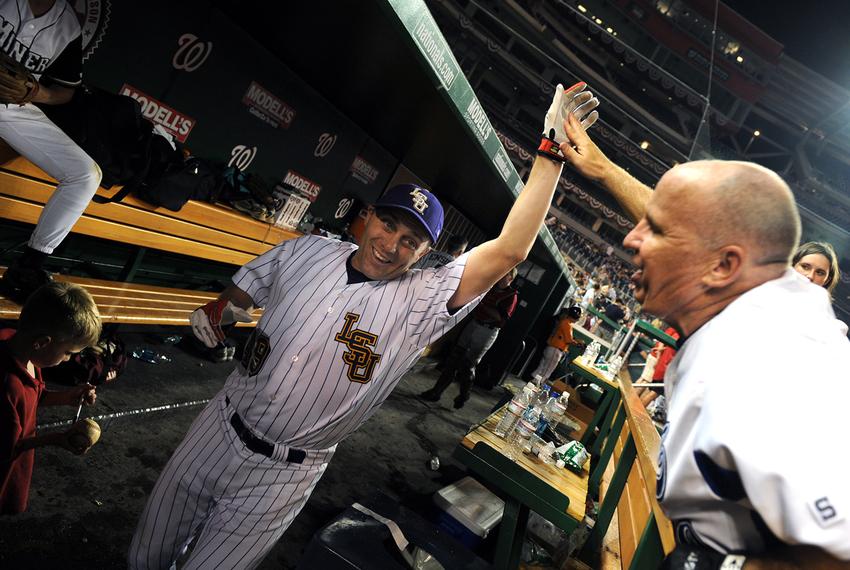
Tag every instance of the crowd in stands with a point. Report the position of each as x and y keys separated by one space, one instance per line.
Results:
x=590 y=263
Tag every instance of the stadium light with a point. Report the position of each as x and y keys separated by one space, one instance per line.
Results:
x=739 y=59
x=756 y=133
x=582 y=8
x=644 y=145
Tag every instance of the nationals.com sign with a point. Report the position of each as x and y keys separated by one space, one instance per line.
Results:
x=158 y=112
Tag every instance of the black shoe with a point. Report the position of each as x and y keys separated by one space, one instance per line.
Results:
x=19 y=282
x=430 y=396
x=460 y=401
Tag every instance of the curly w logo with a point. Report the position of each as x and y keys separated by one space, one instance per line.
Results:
x=360 y=358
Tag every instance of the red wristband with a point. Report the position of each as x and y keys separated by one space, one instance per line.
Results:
x=549 y=148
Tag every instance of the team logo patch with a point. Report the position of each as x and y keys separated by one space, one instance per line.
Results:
x=359 y=357
x=420 y=201
x=256 y=352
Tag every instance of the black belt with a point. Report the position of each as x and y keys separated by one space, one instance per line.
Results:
x=258 y=444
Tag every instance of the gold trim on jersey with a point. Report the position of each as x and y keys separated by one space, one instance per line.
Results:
x=360 y=357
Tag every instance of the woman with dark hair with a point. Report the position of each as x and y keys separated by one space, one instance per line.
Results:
x=817 y=262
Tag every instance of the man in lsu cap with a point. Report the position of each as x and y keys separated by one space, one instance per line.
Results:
x=341 y=326
x=746 y=478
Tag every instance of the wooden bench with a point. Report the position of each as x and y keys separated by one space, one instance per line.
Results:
x=641 y=535
x=133 y=303
x=199 y=229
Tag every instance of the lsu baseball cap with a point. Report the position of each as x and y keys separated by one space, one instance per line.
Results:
x=419 y=202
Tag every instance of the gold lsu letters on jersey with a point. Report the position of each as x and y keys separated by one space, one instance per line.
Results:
x=359 y=357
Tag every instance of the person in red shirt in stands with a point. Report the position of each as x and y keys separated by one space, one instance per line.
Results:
x=476 y=339
x=665 y=355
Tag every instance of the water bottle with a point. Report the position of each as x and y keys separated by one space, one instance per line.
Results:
x=557 y=410
x=590 y=353
x=549 y=414
x=618 y=337
x=514 y=411
x=541 y=398
x=547 y=453
x=614 y=367
x=520 y=440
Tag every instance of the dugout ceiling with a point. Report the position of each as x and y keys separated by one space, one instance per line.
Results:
x=370 y=60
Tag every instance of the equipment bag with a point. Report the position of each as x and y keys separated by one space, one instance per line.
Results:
x=195 y=179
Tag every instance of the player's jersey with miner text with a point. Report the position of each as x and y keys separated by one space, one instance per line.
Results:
x=49 y=45
x=325 y=353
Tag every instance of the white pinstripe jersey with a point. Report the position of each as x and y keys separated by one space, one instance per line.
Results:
x=49 y=44
x=744 y=463
x=326 y=354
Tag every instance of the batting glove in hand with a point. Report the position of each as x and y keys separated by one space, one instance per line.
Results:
x=574 y=100
x=208 y=320
x=686 y=557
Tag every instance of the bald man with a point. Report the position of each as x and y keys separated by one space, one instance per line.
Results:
x=745 y=481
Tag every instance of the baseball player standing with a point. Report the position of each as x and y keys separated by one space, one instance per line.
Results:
x=744 y=486
x=342 y=324
x=44 y=37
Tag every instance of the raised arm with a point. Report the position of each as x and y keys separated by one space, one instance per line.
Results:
x=583 y=155
x=488 y=262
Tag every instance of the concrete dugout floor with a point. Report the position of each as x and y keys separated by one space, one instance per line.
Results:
x=83 y=510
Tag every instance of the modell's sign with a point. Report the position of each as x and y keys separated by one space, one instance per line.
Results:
x=268 y=107
x=363 y=171
x=304 y=185
x=158 y=112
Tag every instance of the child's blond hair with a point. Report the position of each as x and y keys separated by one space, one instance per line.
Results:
x=61 y=310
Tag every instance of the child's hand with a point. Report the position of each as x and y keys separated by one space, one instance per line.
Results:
x=85 y=393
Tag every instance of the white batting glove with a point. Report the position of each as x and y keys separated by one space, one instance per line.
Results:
x=574 y=100
x=208 y=320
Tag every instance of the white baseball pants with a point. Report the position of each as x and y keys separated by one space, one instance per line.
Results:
x=550 y=359
x=235 y=503
x=28 y=130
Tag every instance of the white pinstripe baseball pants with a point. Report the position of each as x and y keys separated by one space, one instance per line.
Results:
x=35 y=137
x=238 y=501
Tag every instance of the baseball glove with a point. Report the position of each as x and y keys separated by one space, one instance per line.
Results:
x=17 y=85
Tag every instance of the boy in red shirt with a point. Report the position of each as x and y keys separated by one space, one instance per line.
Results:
x=57 y=320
